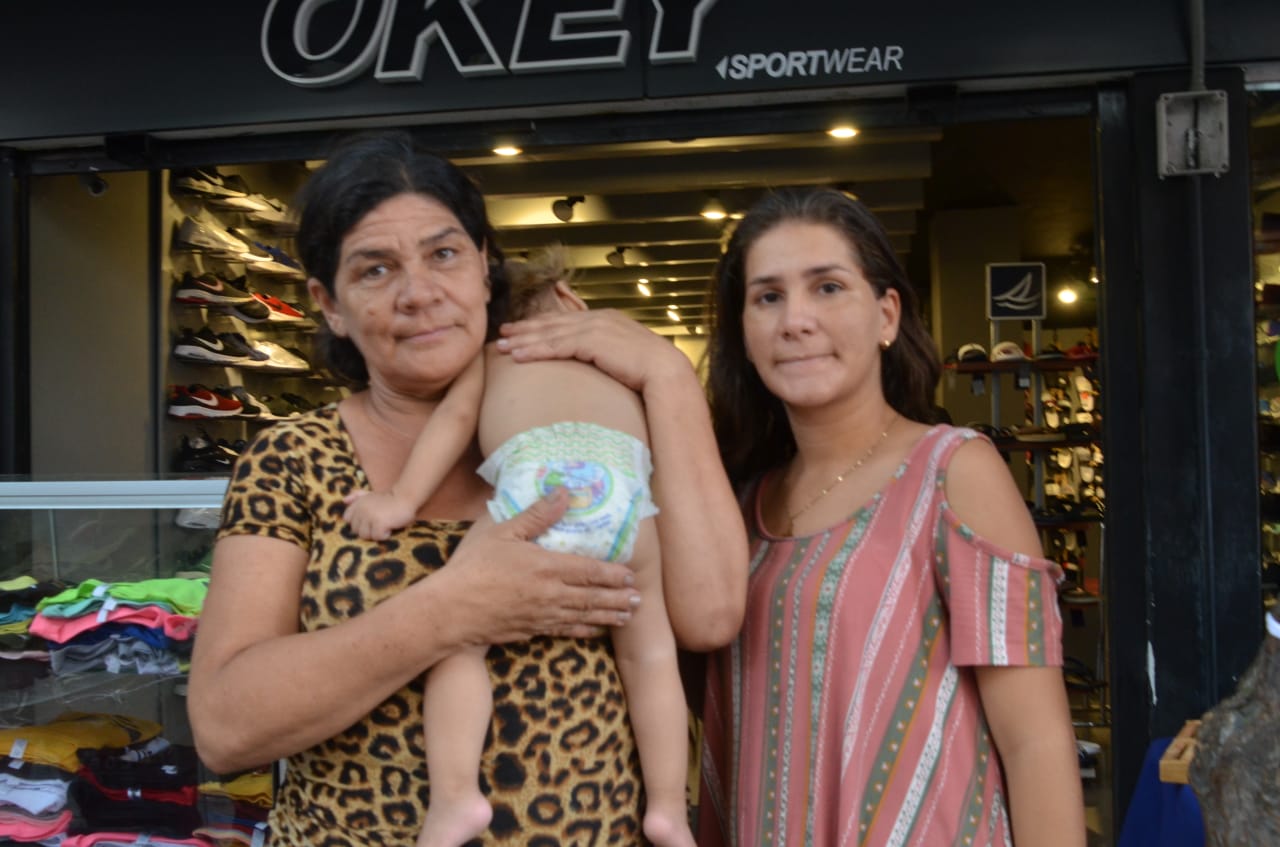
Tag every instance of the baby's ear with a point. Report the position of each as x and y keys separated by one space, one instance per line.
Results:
x=568 y=298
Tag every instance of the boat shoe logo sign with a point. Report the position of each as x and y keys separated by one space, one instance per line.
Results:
x=1015 y=291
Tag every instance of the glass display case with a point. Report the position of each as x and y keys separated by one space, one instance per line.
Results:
x=101 y=586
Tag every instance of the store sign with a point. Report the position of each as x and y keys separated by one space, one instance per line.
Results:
x=317 y=43
x=1016 y=291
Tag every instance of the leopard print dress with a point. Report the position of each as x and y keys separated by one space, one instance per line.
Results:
x=560 y=765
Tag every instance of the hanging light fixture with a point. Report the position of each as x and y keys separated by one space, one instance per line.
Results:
x=615 y=257
x=713 y=209
x=563 y=208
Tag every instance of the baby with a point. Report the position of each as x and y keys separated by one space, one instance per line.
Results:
x=541 y=426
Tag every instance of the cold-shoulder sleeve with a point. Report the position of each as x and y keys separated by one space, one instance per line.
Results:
x=268 y=492
x=1003 y=606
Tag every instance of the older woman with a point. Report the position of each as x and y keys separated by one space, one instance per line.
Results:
x=313 y=642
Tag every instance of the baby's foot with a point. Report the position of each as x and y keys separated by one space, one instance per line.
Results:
x=667 y=830
x=454 y=821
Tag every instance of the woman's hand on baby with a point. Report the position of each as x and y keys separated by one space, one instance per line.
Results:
x=517 y=590
x=606 y=338
x=374 y=514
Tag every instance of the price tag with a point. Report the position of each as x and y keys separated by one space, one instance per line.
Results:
x=19 y=747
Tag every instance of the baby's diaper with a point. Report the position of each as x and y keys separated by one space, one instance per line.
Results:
x=605 y=471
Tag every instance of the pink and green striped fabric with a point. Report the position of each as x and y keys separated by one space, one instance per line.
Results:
x=846 y=712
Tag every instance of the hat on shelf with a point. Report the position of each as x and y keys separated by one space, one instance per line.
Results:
x=1008 y=351
x=971 y=352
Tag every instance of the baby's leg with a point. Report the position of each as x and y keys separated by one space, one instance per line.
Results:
x=646 y=652
x=456 y=711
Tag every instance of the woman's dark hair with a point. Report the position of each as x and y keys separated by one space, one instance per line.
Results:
x=362 y=171
x=751 y=424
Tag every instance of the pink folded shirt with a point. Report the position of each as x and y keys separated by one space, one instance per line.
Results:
x=62 y=630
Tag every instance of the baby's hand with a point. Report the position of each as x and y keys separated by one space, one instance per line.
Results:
x=373 y=514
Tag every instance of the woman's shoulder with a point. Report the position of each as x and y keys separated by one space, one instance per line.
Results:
x=317 y=429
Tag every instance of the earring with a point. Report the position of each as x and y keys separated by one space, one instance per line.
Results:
x=886 y=343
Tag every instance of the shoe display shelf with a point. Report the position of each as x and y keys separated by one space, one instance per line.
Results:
x=241 y=351
x=1060 y=440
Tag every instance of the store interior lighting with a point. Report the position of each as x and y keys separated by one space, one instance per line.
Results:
x=714 y=210
x=563 y=208
x=842 y=131
x=507 y=150
x=1067 y=294
x=642 y=285
x=673 y=312
x=616 y=258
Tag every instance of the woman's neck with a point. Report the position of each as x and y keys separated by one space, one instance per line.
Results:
x=395 y=412
x=827 y=437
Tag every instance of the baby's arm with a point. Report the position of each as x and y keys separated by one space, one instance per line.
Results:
x=441 y=443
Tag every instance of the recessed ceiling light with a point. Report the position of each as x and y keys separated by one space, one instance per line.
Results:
x=714 y=210
x=507 y=150
x=1066 y=294
x=842 y=132
x=643 y=287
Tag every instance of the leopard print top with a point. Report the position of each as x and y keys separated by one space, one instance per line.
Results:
x=560 y=765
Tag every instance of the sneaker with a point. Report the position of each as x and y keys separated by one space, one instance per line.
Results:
x=279 y=409
x=199 y=454
x=202 y=237
x=300 y=404
x=275 y=216
x=251 y=407
x=206 y=348
x=279 y=359
x=238 y=204
x=281 y=312
x=206 y=182
x=199 y=518
x=250 y=311
x=253 y=357
x=209 y=289
x=280 y=263
x=198 y=401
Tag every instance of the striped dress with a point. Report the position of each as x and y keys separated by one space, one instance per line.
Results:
x=846 y=712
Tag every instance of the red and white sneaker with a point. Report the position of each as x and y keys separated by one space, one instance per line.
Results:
x=198 y=401
x=281 y=312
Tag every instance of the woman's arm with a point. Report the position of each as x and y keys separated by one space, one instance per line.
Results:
x=443 y=440
x=1026 y=707
x=261 y=690
x=704 y=541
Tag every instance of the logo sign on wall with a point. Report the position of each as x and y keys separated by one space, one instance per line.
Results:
x=1015 y=291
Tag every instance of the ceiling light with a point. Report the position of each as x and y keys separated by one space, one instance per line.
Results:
x=563 y=208
x=1093 y=275
x=714 y=210
x=507 y=150
x=673 y=314
x=643 y=287
x=843 y=131
x=1067 y=294
x=615 y=257
x=697 y=329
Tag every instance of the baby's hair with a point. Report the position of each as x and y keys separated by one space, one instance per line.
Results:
x=534 y=279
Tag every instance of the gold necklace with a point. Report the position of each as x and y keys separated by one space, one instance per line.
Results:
x=840 y=477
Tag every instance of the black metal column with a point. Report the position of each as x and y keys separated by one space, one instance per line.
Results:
x=1183 y=539
x=15 y=422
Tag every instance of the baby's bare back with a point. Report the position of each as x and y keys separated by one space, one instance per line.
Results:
x=522 y=395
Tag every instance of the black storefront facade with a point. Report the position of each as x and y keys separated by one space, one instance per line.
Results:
x=145 y=86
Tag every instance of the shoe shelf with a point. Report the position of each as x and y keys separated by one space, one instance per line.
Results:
x=242 y=341
x=1265 y=143
x=1065 y=363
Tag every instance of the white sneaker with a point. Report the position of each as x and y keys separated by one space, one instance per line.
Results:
x=206 y=518
x=207 y=238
